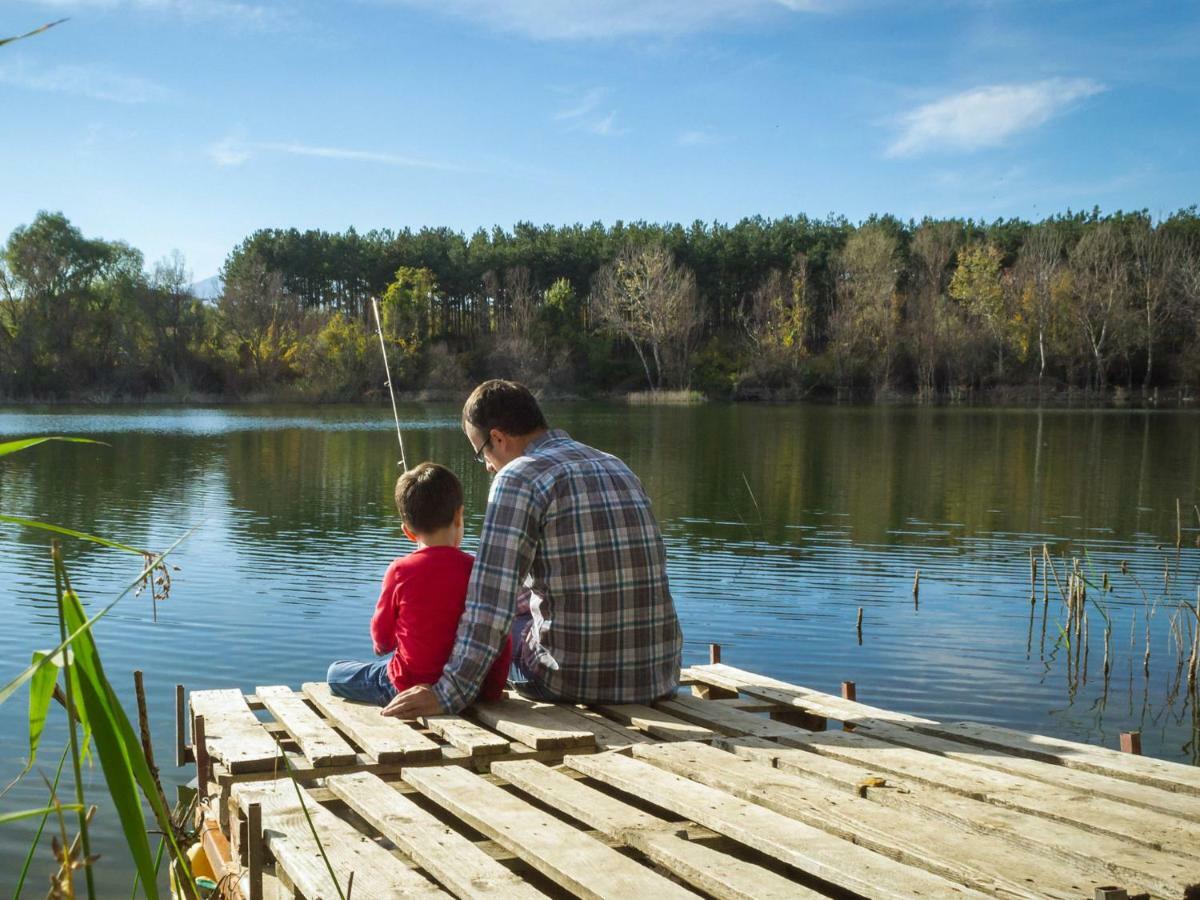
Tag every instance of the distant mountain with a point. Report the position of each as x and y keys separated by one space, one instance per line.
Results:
x=208 y=289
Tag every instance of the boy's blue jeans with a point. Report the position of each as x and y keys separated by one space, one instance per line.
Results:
x=368 y=682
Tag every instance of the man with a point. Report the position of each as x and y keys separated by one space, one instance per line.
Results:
x=571 y=551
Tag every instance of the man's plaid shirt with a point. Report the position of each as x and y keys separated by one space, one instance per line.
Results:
x=578 y=524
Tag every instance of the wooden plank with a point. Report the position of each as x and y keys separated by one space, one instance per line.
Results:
x=233 y=734
x=468 y=737
x=1160 y=773
x=1180 y=805
x=1100 y=853
x=802 y=846
x=785 y=694
x=319 y=743
x=384 y=739
x=1151 y=828
x=290 y=839
x=973 y=860
x=535 y=725
x=569 y=857
x=713 y=872
x=609 y=735
x=745 y=704
x=441 y=851
x=655 y=722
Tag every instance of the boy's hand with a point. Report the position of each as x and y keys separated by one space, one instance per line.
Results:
x=416 y=702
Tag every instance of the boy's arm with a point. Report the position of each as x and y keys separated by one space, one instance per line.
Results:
x=383 y=622
x=507 y=543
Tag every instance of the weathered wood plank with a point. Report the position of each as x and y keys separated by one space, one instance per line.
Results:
x=536 y=725
x=609 y=735
x=906 y=835
x=468 y=737
x=385 y=740
x=802 y=846
x=441 y=851
x=1151 y=828
x=1160 y=773
x=290 y=839
x=1114 y=858
x=713 y=872
x=655 y=722
x=233 y=734
x=319 y=743
x=1180 y=805
x=786 y=694
x=571 y=858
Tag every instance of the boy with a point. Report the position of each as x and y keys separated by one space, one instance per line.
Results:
x=422 y=599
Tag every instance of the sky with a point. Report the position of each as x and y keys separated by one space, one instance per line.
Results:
x=188 y=124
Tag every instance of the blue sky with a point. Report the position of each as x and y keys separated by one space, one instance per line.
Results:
x=187 y=124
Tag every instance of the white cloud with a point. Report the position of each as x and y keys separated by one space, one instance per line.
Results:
x=97 y=82
x=586 y=114
x=697 y=137
x=233 y=151
x=586 y=19
x=987 y=116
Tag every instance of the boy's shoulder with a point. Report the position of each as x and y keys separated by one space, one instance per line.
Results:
x=430 y=558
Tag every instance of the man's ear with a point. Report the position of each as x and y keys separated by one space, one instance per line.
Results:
x=408 y=533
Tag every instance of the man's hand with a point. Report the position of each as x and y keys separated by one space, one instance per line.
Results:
x=417 y=701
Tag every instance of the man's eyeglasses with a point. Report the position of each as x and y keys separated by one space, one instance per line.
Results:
x=479 y=453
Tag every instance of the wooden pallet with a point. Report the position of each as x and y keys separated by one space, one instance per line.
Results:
x=725 y=797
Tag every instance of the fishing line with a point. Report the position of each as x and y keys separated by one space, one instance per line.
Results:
x=391 y=391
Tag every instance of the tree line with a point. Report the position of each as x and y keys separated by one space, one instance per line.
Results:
x=762 y=309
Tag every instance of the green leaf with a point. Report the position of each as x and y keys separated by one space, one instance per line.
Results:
x=13 y=446
x=5 y=818
x=58 y=529
x=111 y=732
x=41 y=692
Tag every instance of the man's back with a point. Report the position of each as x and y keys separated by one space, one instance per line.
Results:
x=578 y=523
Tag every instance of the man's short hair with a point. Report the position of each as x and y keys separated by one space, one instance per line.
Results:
x=505 y=405
x=427 y=497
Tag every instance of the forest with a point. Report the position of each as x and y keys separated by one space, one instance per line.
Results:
x=1090 y=305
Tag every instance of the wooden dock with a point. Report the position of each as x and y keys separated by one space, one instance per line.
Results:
x=746 y=787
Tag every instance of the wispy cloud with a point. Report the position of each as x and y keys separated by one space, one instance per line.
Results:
x=588 y=112
x=698 y=137
x=233 y=151
x=97 y=82
x=246 y=15
x=559 y=20
x=987 y=116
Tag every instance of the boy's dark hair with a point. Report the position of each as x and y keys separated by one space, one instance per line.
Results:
x=506 y=405
x=427 y=497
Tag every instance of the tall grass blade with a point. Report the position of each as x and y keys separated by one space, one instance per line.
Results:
x=24 y=443
x=115 y=756
x=69 y=532
x=37 y=838
x=5 y=818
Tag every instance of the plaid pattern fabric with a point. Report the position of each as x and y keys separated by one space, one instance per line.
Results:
x=569 y=538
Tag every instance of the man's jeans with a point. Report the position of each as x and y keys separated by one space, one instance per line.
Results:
x=366 y=682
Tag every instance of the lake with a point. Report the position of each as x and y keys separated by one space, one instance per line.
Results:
x=780 y=523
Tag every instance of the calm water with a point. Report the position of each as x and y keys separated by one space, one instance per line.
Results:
x=780 y=523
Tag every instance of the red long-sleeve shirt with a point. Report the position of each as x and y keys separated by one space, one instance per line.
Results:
x=417 y=616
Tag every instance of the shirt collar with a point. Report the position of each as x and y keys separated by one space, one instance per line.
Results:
x=554 y=434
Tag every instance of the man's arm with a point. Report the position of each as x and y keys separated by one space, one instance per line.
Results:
x=507 y=544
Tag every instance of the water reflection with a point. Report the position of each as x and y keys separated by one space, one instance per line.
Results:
x=780 y=523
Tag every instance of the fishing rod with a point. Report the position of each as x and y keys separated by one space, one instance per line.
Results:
x=391 y=391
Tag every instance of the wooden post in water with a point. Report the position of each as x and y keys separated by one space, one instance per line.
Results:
x=1178 y=524
x=1131 y=742
x=254 y=850
x=200 y=751
x=180 y=727
x=917 y=589
x=859 y=625
x=849 y=692
x=714 y=654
